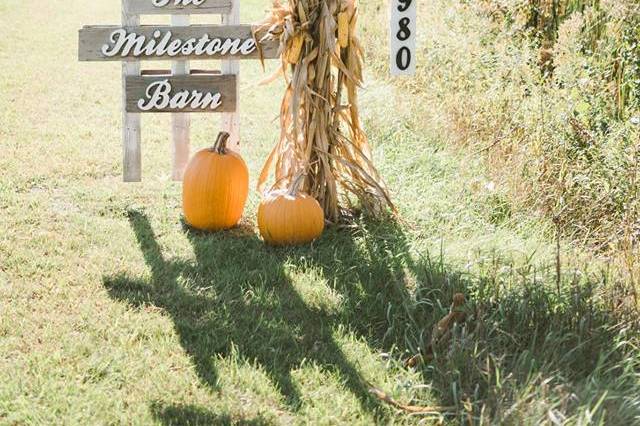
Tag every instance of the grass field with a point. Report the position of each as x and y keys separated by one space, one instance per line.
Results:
x=113 y=312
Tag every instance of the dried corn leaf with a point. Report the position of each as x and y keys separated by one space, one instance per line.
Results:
x=321 y=134
x=343 y=29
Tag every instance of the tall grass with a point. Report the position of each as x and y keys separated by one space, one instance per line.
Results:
x=526 y=354
x=608 y=34
x=548 y=92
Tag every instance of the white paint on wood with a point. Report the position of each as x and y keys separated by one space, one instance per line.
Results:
x=163 y=3
x=132 y=157
x=192 y=94
x=402 y=37
x=180 y=122
x=231 y=121
x=180 y=7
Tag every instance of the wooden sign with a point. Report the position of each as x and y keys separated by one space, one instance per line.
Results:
x=113 y=43
x=402 y=41
x=187 y=93
x=179 y=91
x=176 y=7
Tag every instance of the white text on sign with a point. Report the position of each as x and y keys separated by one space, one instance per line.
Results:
x=159 y=96
x=163 y=3
x=179 y=7
x=124 y=43
x=184 y=93
x=158 y=42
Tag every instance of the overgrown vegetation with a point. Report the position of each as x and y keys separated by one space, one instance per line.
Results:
x=548 y=92
x=114 y=312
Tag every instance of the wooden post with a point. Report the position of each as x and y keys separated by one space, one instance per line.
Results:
x=231 y=120
x=180 y=122
x=132 y=163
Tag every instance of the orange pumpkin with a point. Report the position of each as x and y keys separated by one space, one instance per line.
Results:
x=215 y=187
x=289 y=217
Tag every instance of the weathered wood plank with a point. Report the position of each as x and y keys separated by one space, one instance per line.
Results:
x=131 y=146
x=179 y=7
x=191 y=72
x=188 y=93
x=231 y=120
x=161 y=42
x=180 y=122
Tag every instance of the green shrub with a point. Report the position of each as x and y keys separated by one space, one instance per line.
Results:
x=548 y=92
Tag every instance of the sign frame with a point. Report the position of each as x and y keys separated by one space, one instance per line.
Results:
x=230 y=42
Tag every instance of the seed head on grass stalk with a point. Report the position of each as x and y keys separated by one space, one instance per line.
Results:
x=321 y=134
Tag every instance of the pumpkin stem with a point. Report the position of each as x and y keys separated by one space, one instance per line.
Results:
x=220 y=147
x=295 y=186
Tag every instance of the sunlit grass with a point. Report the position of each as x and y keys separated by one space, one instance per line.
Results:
x=112 y=311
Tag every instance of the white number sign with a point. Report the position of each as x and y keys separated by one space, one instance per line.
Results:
x=402 y=37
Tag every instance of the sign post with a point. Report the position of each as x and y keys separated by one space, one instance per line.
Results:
x=180 y=90
x=231 y=120
x=180 y=122
x=132 y=155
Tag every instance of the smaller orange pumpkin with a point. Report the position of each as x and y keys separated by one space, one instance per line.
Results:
x=215 y=187
x=289 y=217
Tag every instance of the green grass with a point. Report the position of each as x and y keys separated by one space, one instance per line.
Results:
x=113 y=312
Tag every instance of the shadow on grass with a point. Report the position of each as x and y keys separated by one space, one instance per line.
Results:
x=526 y=353
x=521 y=336
x=194 y=415
x=237 y=294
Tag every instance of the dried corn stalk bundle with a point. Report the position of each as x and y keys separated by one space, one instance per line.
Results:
x=321 y=134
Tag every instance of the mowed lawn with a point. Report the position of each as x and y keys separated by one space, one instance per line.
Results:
x=113 y=312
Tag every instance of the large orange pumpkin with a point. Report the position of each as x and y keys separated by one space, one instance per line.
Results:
x=215 y=187
x=289 y=217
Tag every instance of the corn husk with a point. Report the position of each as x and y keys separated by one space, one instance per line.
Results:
x=321 y=134
x=343 y=29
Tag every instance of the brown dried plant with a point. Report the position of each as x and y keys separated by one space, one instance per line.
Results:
x=321 y=134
